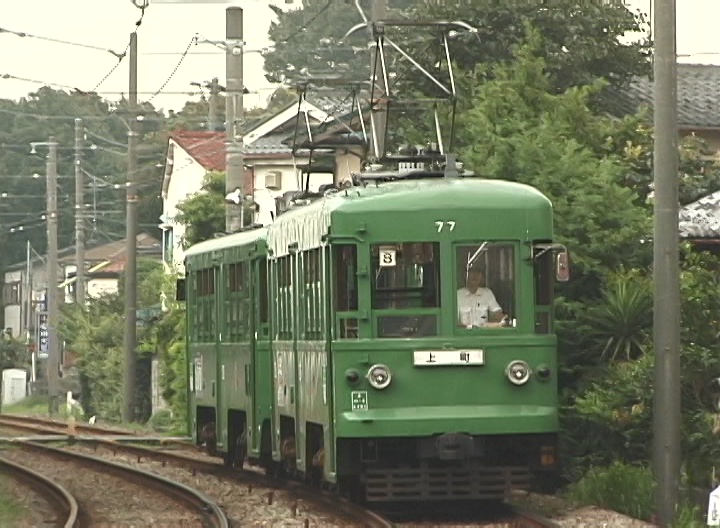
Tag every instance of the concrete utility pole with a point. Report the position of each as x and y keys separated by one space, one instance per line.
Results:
x=131 y=248
x=234 y=163
x=378 y=12
x=53 y=306
x=29 y=310
x=667 y=397
x=213 y=122
x=79 y=218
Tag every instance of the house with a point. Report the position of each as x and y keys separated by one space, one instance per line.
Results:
x=698 y=96
x=22 y=306
x=271 y=167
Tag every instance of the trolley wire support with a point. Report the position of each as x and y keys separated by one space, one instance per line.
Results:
x=383 y=95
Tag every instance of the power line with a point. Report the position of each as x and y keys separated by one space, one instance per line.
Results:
x=24 y=34
x=175 y=69
x=124 y=53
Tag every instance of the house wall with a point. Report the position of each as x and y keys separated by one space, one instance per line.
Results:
x=347 y=162
x=187 y=179
x=711 y=136
x=290 y=181
x=15 y=312
x=98 y=287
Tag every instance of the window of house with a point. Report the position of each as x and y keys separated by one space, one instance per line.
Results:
x=168 y=245
x=12 y=293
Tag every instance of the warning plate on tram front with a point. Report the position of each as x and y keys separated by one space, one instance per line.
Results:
x=443 y=358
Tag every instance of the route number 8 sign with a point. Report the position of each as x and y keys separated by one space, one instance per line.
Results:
x=387 y=257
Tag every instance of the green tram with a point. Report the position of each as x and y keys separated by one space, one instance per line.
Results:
x=393 y=339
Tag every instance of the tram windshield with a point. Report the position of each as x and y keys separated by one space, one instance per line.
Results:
x=406 y=277
x=485 y=285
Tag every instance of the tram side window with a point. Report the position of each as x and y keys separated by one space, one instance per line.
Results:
x=285 y=298
x=237 y=313
x=312 y=270
x=544 y=283
x=205 y=305
x=486 y=282
x=345 y=289
x=263 y=291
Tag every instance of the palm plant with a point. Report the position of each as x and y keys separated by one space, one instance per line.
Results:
x=620 y=324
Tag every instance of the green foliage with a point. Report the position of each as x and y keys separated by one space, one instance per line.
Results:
x=518 y=129
x=620 y=487
x=612 y=420
x=161 y=421
x=13 y=354
x=621 y=322
x=203 y=213
x=49 y=112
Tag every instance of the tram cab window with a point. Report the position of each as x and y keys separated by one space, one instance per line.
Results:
x=406 y=280
x=406 y=275
x=486 y=282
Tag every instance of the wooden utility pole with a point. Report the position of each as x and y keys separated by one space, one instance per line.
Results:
x=234 y=162
x=131 y=248
x=79 y=218
x=52 y=296
x=666 y=268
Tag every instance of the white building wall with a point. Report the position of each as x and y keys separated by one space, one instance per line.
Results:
x=187 y=179
x=99 y=287
x=265 y=197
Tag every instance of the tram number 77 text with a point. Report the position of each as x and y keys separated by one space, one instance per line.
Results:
x=447 y=225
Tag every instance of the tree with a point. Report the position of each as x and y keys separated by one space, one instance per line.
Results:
x=581 y=43
x=203 y=213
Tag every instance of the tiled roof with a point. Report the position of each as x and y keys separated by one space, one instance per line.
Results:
x=701 y=219
x=270 y=144
x=207 y=148
x=698 y=96
x=115 y=250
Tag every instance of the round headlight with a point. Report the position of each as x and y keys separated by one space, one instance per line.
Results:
x=379 y=376
x=518 y=372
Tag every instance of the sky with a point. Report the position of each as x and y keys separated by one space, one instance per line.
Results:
x=166 y=31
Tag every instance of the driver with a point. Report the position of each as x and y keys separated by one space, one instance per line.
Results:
x=476 y=303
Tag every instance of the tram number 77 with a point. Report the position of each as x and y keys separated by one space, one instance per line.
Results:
x=447 y=225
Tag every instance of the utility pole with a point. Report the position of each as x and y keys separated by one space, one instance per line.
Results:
x=378 y=11
x=667 y=397
x=29 y=310
x=79 y=218
x=213 y=123
x=234 y=163
x=131 y=248
x=53 y=307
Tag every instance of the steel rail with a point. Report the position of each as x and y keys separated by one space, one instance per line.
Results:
x=183 y=494
x=62 y=500
x=19 y=420
x=322 y=498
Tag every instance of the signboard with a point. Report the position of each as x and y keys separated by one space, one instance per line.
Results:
x=713 y=515
x=442 y=358
x=42 y=335
x=387 y=256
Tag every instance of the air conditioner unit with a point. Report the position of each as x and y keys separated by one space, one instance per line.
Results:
x=273 y=180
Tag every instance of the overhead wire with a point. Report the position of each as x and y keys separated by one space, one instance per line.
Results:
x=25 y=34
x=175 y=69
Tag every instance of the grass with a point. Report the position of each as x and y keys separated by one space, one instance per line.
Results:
x=11 y=510
x=32 y=405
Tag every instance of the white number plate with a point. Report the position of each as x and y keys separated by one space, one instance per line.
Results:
x=439 y=358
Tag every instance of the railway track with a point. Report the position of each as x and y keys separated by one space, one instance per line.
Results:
x=195 y=502
x=46 y=426
x=61 y=501
x=250 y=479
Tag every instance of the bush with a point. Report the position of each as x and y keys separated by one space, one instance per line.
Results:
x=161 y=421
x=620 y=487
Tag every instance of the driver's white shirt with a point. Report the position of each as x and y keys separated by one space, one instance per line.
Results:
x=473 y=308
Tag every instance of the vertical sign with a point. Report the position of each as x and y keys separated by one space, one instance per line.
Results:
x=42 y=338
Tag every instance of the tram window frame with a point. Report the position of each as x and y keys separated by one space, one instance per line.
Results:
x=497 y=260
x=411 y=250
x=345 y=292
x=406 y=310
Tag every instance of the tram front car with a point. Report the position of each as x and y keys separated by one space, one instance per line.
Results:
x=444 y=355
